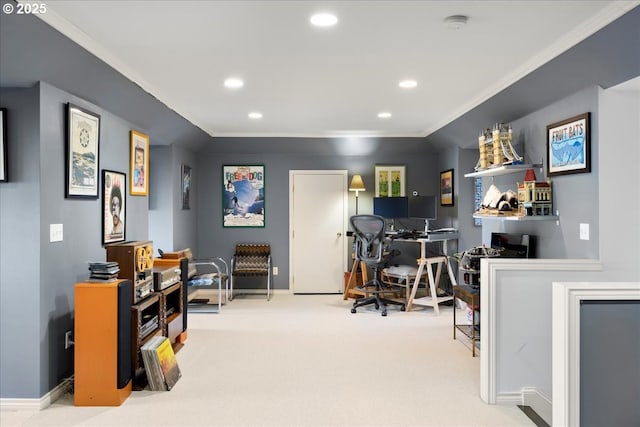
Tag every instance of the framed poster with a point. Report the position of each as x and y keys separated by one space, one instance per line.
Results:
x=82 y=151
x=186 y=187
x=446 y=188
x=243 y=196
x=3 y=145
x=139 y=164
x=390 y=181
x=569 y=146
x=113 y=206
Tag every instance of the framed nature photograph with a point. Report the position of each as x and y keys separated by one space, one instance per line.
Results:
x=569 y=146
x=82 y=151
x=243 y=198
x=446 y=188
x=113 y=206
x=186 y=187
x=390 y=181
x=139 y=164
x=4 y=177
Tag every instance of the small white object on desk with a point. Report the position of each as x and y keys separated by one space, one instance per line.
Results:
x=445 y=230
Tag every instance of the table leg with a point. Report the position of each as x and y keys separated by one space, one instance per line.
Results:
x=352 y=280
x=416 y=282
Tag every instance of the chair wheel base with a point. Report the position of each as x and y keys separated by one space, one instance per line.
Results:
x=403 y=308
x=384 y=313
x=353 y=310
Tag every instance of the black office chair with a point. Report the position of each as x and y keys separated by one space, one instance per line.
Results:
x=371 y=247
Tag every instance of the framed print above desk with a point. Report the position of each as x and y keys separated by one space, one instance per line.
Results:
x=390 y=181
x=446 y=188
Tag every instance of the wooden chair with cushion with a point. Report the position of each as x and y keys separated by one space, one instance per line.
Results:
x=251 y=260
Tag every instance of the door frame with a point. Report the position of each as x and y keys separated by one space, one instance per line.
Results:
x=345 y=216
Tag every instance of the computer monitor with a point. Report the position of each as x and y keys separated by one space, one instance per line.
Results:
x=391 y=207
x=425 y=207
x=514 y=245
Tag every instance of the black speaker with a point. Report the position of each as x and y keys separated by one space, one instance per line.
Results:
x=184 y=277
x=125 y=369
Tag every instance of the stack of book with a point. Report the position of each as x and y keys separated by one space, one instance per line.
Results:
x=160 y=364
x=104 y=270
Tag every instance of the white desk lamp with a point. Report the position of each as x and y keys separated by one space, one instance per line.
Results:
x=357 y=185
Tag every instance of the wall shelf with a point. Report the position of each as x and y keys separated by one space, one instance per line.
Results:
x=502 y=170
x=519 y=218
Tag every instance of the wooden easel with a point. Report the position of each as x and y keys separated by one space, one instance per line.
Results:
x=349 y=289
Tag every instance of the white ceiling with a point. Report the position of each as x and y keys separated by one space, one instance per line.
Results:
x=308 y=81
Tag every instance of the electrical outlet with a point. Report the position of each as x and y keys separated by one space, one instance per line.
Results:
x=68 y=342
x=275 y=271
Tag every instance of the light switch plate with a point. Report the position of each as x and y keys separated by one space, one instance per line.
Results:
x=584 y=231
x=55 y=232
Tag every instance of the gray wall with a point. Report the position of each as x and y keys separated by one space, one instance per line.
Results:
x=609 y=360
x=171 y=227
x=619 y=182
x=161 y=198
x=214 y=240
x=574 y=196
x=184 y=221
x=33 y=269
x=20 y=269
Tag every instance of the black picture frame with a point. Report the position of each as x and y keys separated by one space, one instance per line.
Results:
x=114 y=227
x=186 y=187
x=569 y=146
x=447 y=188
x=82 y=153
x=4 y=170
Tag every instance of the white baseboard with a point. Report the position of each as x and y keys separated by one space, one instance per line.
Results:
x=10 y=404
x=539 y=402
x=528 y=396
x=509 y=398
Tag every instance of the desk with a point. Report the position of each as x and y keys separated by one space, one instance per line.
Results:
x=423 y=261
x=433 y=300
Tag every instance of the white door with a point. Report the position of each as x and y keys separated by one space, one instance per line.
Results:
x=318 y=215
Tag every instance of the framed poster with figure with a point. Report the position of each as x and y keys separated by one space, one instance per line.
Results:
x=82 y=151
x=243 y=198
x=186 y=187
x=139 y=164
x=113 y=206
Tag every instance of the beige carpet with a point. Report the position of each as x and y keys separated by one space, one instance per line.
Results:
x=305 y=360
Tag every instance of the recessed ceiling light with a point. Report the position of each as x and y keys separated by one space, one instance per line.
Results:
x=323 y=20
x=233 y=83
x=455 y=22
x=384 y=115
x=408 y=84
x=255 y=115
